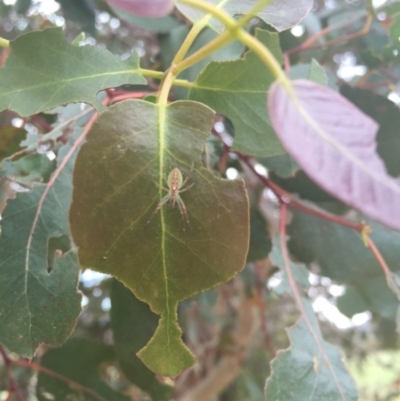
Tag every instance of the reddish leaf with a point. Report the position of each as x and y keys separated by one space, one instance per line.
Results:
x=145 y=8
x=334 y=143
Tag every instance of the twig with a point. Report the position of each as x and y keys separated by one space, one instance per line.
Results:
x=70 y=382
x=12 y=387
x=291 y=201
x=308 y=44
x=390 y=278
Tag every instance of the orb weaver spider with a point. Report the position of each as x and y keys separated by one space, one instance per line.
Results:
x=175 y=186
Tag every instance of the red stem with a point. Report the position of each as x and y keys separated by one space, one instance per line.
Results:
x=12 y=386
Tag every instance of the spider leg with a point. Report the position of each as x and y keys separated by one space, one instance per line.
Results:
x=162 y=202
x=182 y=209
x=185 y=189
x=188 y=176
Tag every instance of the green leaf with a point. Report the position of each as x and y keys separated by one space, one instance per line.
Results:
x=387 y=115
x=238 y=89
x=260 y=242
x=341 y=255
x=133 y=324
x=317 y=73
x=81 y=12
x=79 y=360
x=281 y=14
x=44 y=71
x=310 y=368
x=129 y=148
x=159 y=25
x=33 y=291
x=28 y=169
x=283 y=165
x=299 y=271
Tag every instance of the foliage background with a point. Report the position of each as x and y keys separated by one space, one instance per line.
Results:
x=245 y=309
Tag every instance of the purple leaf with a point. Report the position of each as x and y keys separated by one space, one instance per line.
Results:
x=334 y=143
x=145 y=8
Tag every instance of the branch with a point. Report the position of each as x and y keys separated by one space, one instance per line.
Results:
x=229 y=365
x=70 y=382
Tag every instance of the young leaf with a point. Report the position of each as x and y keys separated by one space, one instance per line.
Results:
x=43 y=71
x=133 y=324
x=281 y=14
x=39 y=302
x=118 y=182
x=310 y=368
x=79 y=360
x=334 y=143
x=238 y=89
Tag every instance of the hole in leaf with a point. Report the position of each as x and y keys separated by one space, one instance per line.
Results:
x=56 y=246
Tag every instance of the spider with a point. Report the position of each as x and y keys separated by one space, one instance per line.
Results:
x=176 y=185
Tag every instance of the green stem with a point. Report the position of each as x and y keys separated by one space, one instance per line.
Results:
x=160 y=75
x=4 y=43
x=205 y=51
x=190 y=38
x=166 y=84
x=234 y=31
x=151 y=73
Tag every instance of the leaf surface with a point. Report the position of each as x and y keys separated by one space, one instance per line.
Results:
x=238 y=89
x=80 y=360
x=133 y=324
x=145 y=8
x=281 y=14
x=310 y=369
x=43 y=71
x=33 y=291
x=130 y=148
x=334 y=143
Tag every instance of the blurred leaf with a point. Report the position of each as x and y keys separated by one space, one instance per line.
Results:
x=260 y=242
x=6 y=192
x=341 y=255
x=32 y=292
x=310 y=368
x=171 y=43
x=81 y=12
x=159 y=25
x=28 y=169
x=129 y=148
x=335 y=146
x=145 y=8
x=298 y=271
x=281 y=14
x=133 y=324
x=10 y=138
x=246 y=92
x=283 y=165
x=80 y=360
x=317 y=73
x=22 y=6
x=387 y=115
x=72 y=74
